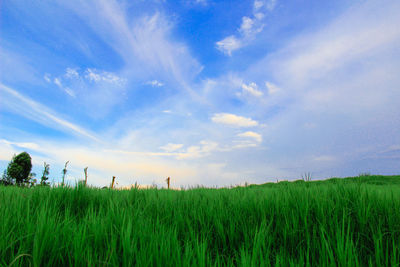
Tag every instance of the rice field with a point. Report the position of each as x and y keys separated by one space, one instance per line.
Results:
x=338 y=222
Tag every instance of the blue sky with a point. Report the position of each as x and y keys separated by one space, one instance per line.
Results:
x=215 y=93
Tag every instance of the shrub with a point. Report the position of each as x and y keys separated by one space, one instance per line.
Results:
x=5 y=179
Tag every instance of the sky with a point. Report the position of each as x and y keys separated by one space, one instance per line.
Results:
x=212 y=93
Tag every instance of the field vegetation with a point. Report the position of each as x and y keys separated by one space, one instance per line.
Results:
x=336 y=222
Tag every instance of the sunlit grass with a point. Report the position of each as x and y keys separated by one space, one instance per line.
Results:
x=339 y=222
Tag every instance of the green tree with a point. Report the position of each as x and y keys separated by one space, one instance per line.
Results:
x=19 y=169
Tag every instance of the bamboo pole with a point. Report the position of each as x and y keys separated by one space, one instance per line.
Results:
x=112 y=184
x=85 y=170
x=168 y=180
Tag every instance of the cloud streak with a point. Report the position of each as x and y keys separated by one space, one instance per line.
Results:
x=249 y=28
x=252 y=89
x=35 y=111
x=142 y=41
x=233 y=120
x=252 y=135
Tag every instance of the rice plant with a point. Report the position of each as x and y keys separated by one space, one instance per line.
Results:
x=337 y=222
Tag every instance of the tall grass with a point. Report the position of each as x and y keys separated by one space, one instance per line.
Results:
x=349 y=222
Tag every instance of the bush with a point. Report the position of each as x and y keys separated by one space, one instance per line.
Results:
x=5 y=179
x=19 y=169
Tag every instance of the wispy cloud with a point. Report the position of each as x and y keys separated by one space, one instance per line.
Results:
x=201 y=2
x=71 y=73
x=96 y=76
x=233 y=120
x=33 y=110
x=57 y=82
x=229 y=44
x=253 y=135
x=204 y=148
x=337 y=45
x=155 y=83
x=90 y=75
x=272 y=88
x=249 y=28
x=170 y=147
x=143 y=42
x=28 y=145
x=97 y=90
x=46 y=77
x=252 y=89
x=70 y=92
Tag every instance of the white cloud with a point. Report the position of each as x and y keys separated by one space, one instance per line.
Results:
x=252 y=135
x=170 y=147
x=39 y=113
x=28 y=145
x=47 y=78
x=203 y=149
x=57 y=81
x=272 y=88
x=95 y=75
x=258 y=4
x=233 y=120
x=229 y=44
x=259 y=16
x=201 y=2
x=252 y=89
x=271 y=4
x=70 y=92
x=155 y=83
x=246 y=26
x=314 y=55
x=243 y=144
x=144 y=42
x=248 y=29
x=76 y=84
x=71 y=73
x=392 y=148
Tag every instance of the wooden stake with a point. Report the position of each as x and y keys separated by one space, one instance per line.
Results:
x=168 y=180
x=85 y=170
x=112 y=184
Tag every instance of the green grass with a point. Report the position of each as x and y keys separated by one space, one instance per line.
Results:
x=338 y=222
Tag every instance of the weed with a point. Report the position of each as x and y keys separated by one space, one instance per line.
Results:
x=306 y=176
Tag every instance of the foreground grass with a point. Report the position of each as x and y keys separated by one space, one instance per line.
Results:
x=350 y=222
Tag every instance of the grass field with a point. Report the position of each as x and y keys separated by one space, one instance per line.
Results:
x=338 y=222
